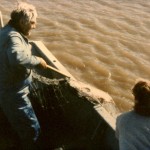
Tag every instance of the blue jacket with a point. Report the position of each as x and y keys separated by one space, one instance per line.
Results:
x=133 y=131
x=16 y=60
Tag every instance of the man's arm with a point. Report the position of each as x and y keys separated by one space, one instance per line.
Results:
x=19 y=55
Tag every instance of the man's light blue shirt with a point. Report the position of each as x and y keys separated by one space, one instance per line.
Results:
x=16 y=59
x=133 y=131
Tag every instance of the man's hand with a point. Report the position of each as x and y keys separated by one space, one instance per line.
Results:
x=43 y=63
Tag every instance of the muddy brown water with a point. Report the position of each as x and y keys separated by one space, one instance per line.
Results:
x=103 y=43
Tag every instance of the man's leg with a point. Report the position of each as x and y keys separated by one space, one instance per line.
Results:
x=18 y=109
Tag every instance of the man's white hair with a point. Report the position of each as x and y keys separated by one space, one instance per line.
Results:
x=23 y=11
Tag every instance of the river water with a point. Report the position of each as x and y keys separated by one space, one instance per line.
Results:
x=105 y=43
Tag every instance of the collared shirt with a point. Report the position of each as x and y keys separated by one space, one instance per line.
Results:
x=133 y=131
x=16 y=59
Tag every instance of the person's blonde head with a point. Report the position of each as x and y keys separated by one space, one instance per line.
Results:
x=23 y=11
x=23 y=18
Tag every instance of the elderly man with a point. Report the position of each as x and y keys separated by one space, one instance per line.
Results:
x=133 y=127
x=16 y=63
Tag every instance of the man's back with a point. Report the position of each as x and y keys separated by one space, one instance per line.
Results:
x=133 y=131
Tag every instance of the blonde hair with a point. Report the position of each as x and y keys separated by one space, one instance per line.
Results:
x=23 y=11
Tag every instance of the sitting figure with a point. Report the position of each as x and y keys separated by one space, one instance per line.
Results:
x=133 y=127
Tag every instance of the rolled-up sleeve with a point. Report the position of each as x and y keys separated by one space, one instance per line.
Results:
x=19 y=53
